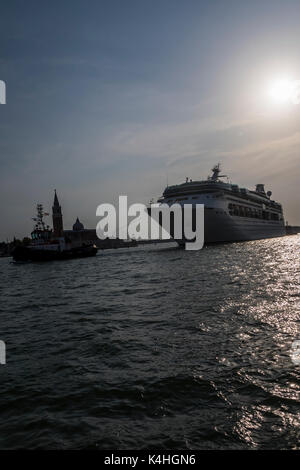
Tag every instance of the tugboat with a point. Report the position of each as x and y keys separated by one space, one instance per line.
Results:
x=48 y=245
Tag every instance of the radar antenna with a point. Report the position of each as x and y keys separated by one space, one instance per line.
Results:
x=216 y=173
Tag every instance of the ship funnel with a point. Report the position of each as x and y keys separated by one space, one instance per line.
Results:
x=260 y=188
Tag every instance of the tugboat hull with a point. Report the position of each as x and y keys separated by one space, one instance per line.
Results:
x=22 y=253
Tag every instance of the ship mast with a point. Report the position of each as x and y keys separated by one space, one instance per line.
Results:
x=216 y=173
x=40 y=224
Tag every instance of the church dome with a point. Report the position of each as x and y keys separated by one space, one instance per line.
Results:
x=78 y=225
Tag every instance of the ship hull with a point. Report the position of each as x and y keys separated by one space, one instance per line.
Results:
x=220 y=227
x=226 y=228
x=41 y=255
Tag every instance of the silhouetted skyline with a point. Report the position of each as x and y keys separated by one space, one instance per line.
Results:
x=111 y=98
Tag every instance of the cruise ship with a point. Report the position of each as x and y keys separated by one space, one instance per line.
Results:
x=231 y=213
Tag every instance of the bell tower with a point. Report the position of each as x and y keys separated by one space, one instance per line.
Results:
x=57 y=218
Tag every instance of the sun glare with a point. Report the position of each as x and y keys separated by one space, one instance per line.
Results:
x=281 y=91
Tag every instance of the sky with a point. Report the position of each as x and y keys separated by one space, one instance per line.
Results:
x=108 y=98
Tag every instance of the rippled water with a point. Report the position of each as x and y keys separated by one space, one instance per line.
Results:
x=153 y=347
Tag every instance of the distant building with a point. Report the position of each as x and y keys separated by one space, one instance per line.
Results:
x=80 y=235
x=57 y=218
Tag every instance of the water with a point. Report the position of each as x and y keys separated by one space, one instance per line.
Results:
x=153 y=347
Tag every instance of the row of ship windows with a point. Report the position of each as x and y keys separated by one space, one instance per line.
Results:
x=240 y=211
x=186 y=198
x=254 y=213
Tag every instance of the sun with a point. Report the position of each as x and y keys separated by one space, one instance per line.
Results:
x=281 y=91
